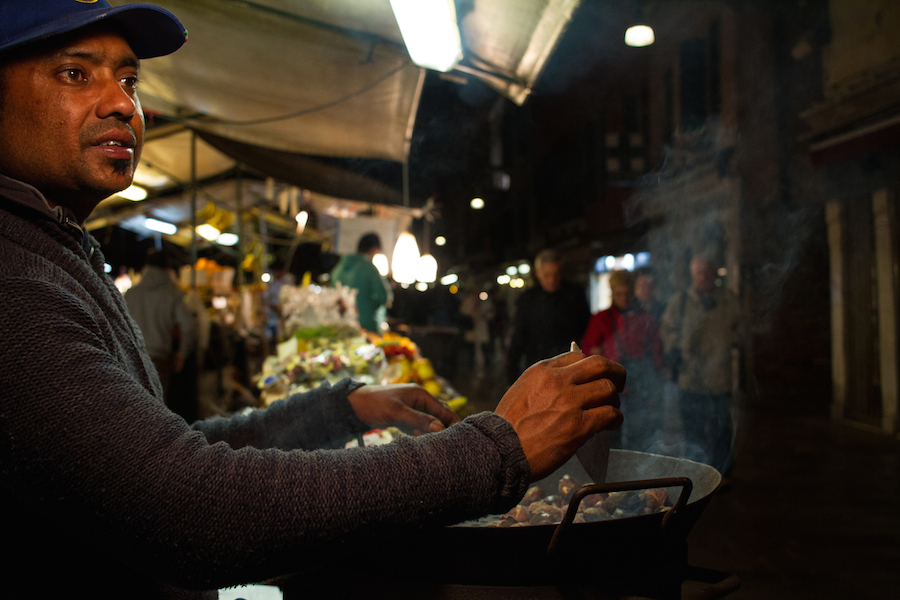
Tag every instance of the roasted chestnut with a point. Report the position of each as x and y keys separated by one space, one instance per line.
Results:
x=518 y=514
x=532 y=495
x=567 y=487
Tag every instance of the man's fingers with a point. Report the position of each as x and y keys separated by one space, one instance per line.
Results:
x=419 y=421
x=603 y=418
x=417 y=398
x=596 y=367
x=422 y=411
x=566 y=358
x=598 y=392
x=435 y=407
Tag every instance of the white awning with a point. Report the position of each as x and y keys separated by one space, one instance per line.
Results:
x=331 y=77
x=325 y=78
x=274 y=84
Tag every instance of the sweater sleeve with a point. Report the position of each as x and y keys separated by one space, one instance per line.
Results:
x=83 y=443
x=320 y=418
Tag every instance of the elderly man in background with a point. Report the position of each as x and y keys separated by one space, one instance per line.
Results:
x=548 y=317
x=112 y=494
x=700 y=329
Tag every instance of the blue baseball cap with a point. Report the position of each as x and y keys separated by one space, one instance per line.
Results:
x=150 y=30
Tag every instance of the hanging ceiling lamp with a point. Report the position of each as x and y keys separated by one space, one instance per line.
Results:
x=430 y=32
x=426 y=269
x=640 y=34
x=405 y=260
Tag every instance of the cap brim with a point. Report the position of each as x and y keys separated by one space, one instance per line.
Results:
x=150 y=30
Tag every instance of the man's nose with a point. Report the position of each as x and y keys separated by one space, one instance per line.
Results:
x=116 y=102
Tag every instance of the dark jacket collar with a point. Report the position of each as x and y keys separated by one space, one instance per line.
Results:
x=27 y=195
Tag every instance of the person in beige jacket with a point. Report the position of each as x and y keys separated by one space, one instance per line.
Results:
x=700 y=328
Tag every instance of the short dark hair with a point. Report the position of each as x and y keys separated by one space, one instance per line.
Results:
x=367 y=242
x=156 y=258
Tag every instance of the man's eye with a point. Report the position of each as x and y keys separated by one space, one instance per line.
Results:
x=74 y=74
x=129 y=82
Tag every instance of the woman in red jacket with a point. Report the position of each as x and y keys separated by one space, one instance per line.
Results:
x=629 y=335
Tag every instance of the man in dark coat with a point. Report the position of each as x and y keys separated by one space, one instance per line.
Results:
x=548 y=317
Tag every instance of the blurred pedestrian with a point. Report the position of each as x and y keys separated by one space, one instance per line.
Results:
x=700 y=330
x=274 y=322
x=157 y=305
x=644 y=293
x=548 y=317
x=478 y=307
x=629 y=335
x=357 y=271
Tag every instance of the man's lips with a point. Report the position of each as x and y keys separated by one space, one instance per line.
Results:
x=116 y=144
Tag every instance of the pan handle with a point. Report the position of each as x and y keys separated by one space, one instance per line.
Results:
x=622 y=486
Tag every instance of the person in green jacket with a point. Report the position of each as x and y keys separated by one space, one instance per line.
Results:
x=356 y=271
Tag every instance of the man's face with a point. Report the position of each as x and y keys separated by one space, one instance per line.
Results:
x=703 y=275
x=71 y=123
x=549 y=275
x=643 y=288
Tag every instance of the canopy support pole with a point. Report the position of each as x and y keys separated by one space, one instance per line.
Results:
x=239 y=204
x=407 y=142
x=194 y=210
x=406 y=181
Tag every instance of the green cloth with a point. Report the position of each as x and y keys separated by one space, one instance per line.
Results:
x=356 y=271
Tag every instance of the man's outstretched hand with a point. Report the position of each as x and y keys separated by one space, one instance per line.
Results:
x=404 y=405
x=558 y=403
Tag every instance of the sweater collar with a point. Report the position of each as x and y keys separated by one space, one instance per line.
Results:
x=27 y=195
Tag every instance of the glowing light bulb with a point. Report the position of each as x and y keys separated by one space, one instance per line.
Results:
x=302 y=219
x=160 y=226
x=639 y=36
x=430 y=32
x=208 y=232
x=426 y=269
x=227 y=239
x=381 y=263
x=405 y=259
x=133 y=192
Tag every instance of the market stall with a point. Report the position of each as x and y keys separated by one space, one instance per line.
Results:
x=323 y=342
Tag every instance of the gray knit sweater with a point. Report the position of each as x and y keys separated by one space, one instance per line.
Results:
x=108 y=493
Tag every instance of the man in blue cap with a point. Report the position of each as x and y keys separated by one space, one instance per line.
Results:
x=108 y=493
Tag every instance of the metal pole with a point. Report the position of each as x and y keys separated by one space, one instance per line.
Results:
x=193 y=209
x=239 y=205
x=406 y=181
